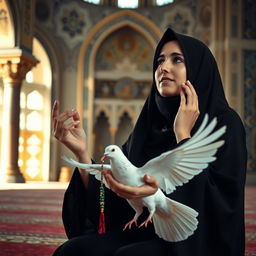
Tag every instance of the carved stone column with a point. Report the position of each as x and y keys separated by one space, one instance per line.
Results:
x=13 y=68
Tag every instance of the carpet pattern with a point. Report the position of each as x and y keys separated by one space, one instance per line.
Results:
x=250 y=220
x=30 y=221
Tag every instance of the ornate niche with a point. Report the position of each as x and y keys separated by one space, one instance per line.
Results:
x=122 y=81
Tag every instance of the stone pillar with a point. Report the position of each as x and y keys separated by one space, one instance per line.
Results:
x=13 y=69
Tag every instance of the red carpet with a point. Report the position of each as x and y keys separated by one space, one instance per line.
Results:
x=30 y=221
x=250 y=220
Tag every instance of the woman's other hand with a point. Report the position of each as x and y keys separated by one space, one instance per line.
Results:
x=68 y=130
x=188 y=112
x=129 y=192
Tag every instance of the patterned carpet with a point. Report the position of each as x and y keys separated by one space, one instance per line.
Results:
x=30 y=221
x=250 y=220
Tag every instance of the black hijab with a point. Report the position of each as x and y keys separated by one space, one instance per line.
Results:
x=159 y=112
x=217 y=193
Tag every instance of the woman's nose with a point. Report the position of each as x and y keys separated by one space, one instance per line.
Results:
x=166 y=66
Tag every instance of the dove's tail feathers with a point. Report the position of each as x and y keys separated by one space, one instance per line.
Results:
x=178 y=225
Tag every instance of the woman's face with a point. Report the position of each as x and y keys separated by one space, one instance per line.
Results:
x=171 y=70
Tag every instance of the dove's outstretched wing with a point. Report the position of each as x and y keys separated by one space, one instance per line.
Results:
x=94 y=169
x=178 y=166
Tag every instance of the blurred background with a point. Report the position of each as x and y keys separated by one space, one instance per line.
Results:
x=96 y=56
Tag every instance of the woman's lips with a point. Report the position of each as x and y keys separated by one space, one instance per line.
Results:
x=166 y=79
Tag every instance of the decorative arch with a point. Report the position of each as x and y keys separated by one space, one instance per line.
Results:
x=87 y=54
x=105 y=109
x=55 y=62
x=129 y=111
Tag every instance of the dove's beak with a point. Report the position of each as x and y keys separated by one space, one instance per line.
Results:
x=103 y=157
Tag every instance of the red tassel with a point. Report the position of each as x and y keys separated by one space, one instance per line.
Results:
x=102 y=229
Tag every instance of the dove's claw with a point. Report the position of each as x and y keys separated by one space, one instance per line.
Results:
x=129 y=224
x=145 y=223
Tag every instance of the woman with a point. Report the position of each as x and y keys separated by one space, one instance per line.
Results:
x=169 y=117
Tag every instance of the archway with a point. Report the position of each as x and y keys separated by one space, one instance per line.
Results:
x=87 y=59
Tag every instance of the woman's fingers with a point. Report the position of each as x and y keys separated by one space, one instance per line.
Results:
x=55 y=109
x=188 y=93
x=55 y=113
x=76 y=117
x=193 y=93
x=60 y=126
x=190 y=96
x=187 y=113
x=182 y=98
x=150 y=180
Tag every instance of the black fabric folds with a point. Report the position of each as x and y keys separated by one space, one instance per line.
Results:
x=217 y=193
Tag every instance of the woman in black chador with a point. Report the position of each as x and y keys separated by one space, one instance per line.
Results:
x=186 y=86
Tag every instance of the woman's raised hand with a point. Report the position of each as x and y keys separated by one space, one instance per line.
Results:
x=68 y=130
x=188 y=112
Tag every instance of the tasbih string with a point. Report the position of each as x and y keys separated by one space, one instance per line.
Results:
x=102 y=229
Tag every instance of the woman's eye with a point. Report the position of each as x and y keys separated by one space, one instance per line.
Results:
x=178 y=60
x=160 y=61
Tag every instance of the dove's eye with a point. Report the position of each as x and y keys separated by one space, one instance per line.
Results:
x=113 y=150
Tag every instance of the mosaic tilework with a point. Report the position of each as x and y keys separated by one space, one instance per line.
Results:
x=180 y=19
x=124 y=43
x=250 y=105
x=125 y=88
x=72 y=23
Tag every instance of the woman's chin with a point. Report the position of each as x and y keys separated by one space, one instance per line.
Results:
x=168 y=92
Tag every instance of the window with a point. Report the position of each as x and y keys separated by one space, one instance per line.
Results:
x=163 y=2
x=92 y=1
x=127 y=4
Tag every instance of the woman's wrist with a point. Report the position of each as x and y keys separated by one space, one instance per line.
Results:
x=182 y=136
x=83 y=157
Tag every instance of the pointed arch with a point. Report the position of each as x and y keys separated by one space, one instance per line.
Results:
x=89 y=48
x=131 y=113
x=55 y=59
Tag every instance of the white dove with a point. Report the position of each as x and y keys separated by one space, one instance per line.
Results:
x=172 y=221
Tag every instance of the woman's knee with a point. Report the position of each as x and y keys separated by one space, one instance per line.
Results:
x=74 y=246
x=153 y=247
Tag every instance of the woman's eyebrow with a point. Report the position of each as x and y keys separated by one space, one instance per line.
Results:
x=171 y=54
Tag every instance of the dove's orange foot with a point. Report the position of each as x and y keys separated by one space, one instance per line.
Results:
x=129 y=224
x=145 y=223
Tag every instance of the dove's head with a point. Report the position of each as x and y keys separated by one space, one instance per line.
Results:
x=111 y=152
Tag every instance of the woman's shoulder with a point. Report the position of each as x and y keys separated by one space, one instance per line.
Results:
x=233 y=122
x=230 y=117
